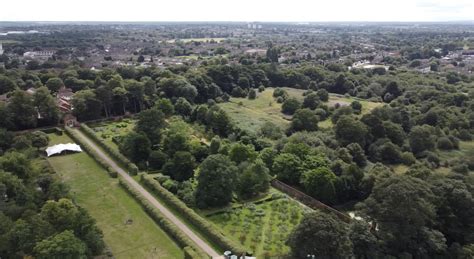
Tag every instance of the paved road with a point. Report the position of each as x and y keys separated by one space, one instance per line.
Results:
x=201 y=243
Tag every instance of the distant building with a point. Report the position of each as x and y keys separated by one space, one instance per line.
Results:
x=63 y=99
x=38 y=54
x=1 y=49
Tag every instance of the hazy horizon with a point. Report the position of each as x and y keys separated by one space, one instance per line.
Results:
x=241 y=11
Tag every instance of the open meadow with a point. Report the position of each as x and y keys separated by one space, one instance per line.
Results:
x=128 y=231
x=252 y=114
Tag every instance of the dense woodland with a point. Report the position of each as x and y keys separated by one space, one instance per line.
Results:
x=417 y=214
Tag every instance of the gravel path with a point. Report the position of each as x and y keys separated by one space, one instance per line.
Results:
x=168 y=214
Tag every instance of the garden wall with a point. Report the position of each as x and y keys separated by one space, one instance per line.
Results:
x=308 y=200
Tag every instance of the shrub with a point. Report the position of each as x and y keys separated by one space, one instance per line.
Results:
x=445 y=143
x=408 y=158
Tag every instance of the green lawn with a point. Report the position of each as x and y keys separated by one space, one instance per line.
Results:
x=111 y=206
x=262 y=228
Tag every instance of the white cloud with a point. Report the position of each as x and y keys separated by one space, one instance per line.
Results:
x=237 y=10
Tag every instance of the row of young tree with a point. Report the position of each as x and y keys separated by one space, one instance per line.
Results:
x=37 y=215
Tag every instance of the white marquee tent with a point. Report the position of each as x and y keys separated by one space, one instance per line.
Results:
x=59 y=148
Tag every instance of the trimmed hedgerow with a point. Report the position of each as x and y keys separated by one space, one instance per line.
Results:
x=189 y=253
x=204 y=226
x=116 y=155
x=157 y=216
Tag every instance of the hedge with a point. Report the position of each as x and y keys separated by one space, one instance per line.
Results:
x=182 y=239
x=116 y=155
x=112 y=173
x=189 y=253
x=204 y=226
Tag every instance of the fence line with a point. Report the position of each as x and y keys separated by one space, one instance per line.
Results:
x=308 y=200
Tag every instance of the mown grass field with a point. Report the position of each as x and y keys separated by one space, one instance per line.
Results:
x=262 y=228
x=252 y=114
x=111 y=207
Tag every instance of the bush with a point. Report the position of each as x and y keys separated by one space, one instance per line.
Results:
x=182 y=239
x=408 y=158
x=205 y=227
x=445 y=143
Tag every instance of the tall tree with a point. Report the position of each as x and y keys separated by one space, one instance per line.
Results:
x=320 y=235
x=22 y=109
x=151 y=122
x=46 y=105
x=216 y=181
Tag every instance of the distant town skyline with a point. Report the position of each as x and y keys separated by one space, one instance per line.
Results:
x=242 y=10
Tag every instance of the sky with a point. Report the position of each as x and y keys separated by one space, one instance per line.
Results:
x=237 y=10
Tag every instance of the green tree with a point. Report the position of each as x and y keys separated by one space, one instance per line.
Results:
x=86 y=105
x=403 y=209
x=311 y=101
x=157 y=159
x=165 y=106
x=181 y=167
x=183 y=107
x=255 y=179
x=322 y=235
x=272 y=54
x=62 y=245
x=22 y=109
x=349 y=130
x=290 y=106
x=175 y=141
x=216 y=181
x=422 y=138
x=304 y=119
x=136 y=146
x=46 y=105
x=39 y=139
x=151 y=122
x=365 y=243
x=54 y=84
x=323 y=95
x=239 y=153
x=288 y=168
x=319 y=183
x=6 y=85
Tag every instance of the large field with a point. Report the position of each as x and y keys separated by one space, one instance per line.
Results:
x=252 y=114
x=263 y=227
x=112 y=207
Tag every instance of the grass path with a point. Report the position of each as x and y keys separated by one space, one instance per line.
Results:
x=111 y=207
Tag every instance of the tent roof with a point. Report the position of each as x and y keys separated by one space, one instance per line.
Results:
x=59 y=148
